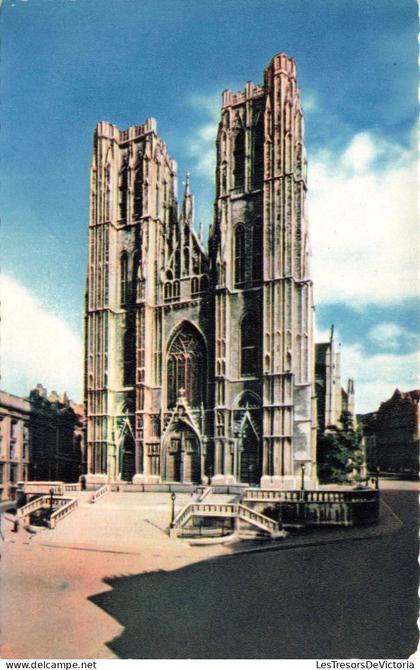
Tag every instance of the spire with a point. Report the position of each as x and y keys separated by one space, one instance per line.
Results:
x=187 y=204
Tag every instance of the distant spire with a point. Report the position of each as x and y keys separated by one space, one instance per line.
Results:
x=332 y=332
x=200 y=231
x=187 y=205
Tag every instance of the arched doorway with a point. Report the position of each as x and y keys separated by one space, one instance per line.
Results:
x=128 y=459
x=183 y=460
x=250 y=456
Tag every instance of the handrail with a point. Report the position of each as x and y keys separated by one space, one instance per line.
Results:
x=32 y=506
x=227 y=510
x=62 y=512
x=257 y=518
x=276 y=495
x=72 y=487
x=99 y=493
x=35 y=486
x=204 y=494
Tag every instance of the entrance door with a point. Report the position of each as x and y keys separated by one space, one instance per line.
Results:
x=173 y=467
x=191 y=460
x=183 y=458
x=128 y=465
x=250 y=461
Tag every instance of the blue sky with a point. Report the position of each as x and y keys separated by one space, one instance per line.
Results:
x=66 y=64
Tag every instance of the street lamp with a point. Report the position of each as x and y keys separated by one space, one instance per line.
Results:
x=377 y=479
x=302 y=472
x=173 y=497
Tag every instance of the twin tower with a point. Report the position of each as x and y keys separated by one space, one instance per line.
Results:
x=199 y=363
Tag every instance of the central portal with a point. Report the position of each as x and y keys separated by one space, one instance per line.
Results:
x=183 y=462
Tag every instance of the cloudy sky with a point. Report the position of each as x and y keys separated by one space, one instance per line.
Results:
x=66 y=64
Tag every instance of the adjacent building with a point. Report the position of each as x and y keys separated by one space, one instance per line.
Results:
x=392 y=434
x=41 y=438
x=56 y=437
x=15 y=416
x=332 y=399
x=199 y=362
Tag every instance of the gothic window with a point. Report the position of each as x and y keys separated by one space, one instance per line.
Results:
x=122 y=193
x=186 y=367
x=168 y=292
x=138 y=191
x=177 y=263
x=257 y=252
x=223 y=178
x=249 y=345
x=108 y=192
x=129 y=353
x=123 y=279
x=176 y=289
x=136 y=278
x=186 y=262
x=157 y=202
x=239 y=161
x=239 y=255
x=195 y=285
x=258 y=153
x=204 y=284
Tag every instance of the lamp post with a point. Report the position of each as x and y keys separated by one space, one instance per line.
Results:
x=173 y=498
x=377 y=479
x=302 y=480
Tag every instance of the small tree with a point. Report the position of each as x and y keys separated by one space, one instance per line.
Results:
x=339 y=452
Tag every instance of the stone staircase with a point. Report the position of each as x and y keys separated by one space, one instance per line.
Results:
x=240 y=513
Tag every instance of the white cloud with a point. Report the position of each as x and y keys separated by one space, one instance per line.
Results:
x=388 y=335
x=363 y=217
x=376 y=377
x=203 y=139
x=36 y=345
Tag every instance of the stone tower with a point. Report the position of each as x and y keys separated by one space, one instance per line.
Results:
x=198 y=366
x=263 y=291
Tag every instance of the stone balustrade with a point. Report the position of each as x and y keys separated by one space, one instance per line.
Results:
x=99 y=493
x=61 y=512
x=33 y=487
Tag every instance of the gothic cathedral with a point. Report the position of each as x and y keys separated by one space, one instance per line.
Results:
x=199 y=362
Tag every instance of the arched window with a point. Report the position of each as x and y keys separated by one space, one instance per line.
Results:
x=186 y=367
x=177 y=263
x=239 y=255
x=122 y=193
x=195 y=285
x=204 y=284
x=249 y=345
x=258 y=153
x=123 y=278
x=108 y=192
x=138 y=190
x=239 y=161
x=168 y=291
x=257 y=256
x=186 y=262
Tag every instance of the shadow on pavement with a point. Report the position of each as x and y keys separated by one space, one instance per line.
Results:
x=345 y=600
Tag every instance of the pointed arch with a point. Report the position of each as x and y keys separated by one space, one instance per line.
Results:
x=123 y=192
x=239 y=160
x=186 y=365
x=239 y=254
x=123 y=278
x=249 y=345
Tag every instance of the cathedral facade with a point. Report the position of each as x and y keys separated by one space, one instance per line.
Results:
x=199 y=361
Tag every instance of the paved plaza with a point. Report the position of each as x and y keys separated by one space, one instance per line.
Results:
x=96 y=586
